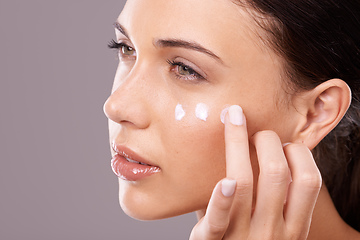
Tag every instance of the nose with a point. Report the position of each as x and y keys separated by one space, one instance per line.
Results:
x=128 y=104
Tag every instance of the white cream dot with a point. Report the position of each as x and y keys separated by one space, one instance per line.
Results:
x=179 y=112
x=202 y=111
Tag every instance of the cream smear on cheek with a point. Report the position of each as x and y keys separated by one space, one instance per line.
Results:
x=179 y=112
x=201 y=112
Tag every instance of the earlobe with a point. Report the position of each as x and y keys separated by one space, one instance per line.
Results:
x=326 y=105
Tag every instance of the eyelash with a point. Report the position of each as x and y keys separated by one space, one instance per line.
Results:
x=115 y=45
x=195 y=76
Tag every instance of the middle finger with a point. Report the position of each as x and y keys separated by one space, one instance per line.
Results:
x=274 y=177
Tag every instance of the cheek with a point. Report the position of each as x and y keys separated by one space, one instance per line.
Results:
x=200 y=144
x=197 y=156
x=191 y=154
x=198 y=138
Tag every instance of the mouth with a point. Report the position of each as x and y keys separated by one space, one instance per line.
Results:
x=129 y=166
x=133 y=161
x=130 y=155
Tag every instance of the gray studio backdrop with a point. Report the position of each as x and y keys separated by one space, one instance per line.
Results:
x=55 y=176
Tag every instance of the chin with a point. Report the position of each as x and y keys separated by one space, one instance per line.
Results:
x=144 y=207
x=138 y=214
x=146 y=211
x=143 y=214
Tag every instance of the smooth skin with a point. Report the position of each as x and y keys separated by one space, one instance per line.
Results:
x=283 y=208
x=287 y=192
x=154 y=36
x=270 y=218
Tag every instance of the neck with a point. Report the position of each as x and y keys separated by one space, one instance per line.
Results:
x=327 y=223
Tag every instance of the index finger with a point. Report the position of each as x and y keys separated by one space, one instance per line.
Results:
x=238 y=164
x=236 y=144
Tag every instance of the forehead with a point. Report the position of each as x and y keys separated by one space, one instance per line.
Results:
x=220 y=24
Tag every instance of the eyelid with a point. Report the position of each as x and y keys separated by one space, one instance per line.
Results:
x=191 y=65
x=122 y=37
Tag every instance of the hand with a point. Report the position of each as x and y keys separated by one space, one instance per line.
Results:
x=282 y=208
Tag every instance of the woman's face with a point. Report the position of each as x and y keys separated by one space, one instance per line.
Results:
x=187 y=52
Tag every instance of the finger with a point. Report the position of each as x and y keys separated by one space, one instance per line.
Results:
x=274 y=178
x=305 y=186
x=216 y=220
x=238 y=164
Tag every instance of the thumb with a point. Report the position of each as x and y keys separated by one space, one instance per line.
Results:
x=216 y=220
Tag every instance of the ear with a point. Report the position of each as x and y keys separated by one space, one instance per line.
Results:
x=321 y=109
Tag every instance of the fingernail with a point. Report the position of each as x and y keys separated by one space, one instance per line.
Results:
x=228 y=187
x=285 y=144
x=236 y=115
x=223 y=114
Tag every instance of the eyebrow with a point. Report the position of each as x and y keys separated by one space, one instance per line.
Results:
x=163 y=43
x=119 y=27
x=172 y=42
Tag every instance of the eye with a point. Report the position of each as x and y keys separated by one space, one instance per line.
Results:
x=124 y=50
x=184 y=72
x=127 y=50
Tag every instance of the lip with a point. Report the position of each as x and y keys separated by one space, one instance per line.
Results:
x=128 y=165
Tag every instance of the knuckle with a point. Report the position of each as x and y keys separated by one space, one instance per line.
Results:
x=276 y=171
x=244 y=186
x=311 y=180
x=216 y=229
x=265 y=135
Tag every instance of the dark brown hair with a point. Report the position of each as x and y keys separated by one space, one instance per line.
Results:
x=320 y=40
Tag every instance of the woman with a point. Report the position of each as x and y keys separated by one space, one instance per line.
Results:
x=185 y=66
